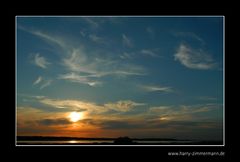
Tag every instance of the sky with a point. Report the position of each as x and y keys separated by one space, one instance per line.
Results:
x=114 y=76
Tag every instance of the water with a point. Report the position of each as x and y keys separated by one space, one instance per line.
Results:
x=163 y=142
x=65 y=142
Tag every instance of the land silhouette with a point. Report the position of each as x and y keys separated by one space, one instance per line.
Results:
x=41 y=140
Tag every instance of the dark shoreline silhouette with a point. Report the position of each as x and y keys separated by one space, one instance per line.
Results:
x=40 y=140
x=53 y=138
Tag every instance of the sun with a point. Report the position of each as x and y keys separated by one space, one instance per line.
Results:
x=75 y=116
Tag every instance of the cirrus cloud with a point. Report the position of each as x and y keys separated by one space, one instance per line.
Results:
x=150 y=52
x=40 y=61
x=85 y=63
x=154 y=88
x=97 y=39
x=126 y=41
x=74 y=77
x=123 y=106
x=181 y=112
x=194 y=58
x=78 y=105
x=42 y=82
x=38 y=80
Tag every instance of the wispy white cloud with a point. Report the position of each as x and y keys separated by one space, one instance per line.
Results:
x=126 y=41
x=79 y=62
x=150 y=52
x=153 y=114
x=91 y=21
x=83 y=33
x=97 y=39
x=151 y=88
x=154 y=52
x=123 y=106
x=143 y=52
x=72 y=105
x=122 y=68
x=40 y=61
x=131 y=72
x=180 y=113
x=126 y=55
x=183 y=109
x=42 y=82
x=38 y=97
x=46 y=83
x=38 y=80
x=90 y=107
x=53 y=39
x=85 y=62
x=74 y=77
x=49 y=38
x=190 y=35
x=94 y=37
x=160 y=109
x=194 y=59
x=95 y=22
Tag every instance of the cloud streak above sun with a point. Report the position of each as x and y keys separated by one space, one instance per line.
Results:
x=162 y=118
x=77 y=105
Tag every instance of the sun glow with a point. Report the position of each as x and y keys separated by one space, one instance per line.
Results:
x=75 y=116
x=165 y=118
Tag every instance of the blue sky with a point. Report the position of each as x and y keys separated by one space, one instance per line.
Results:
x=155 y=75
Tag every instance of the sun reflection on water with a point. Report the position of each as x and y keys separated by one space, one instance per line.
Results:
x=72 y=141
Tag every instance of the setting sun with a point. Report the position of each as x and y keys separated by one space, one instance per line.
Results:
x=75 y=116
